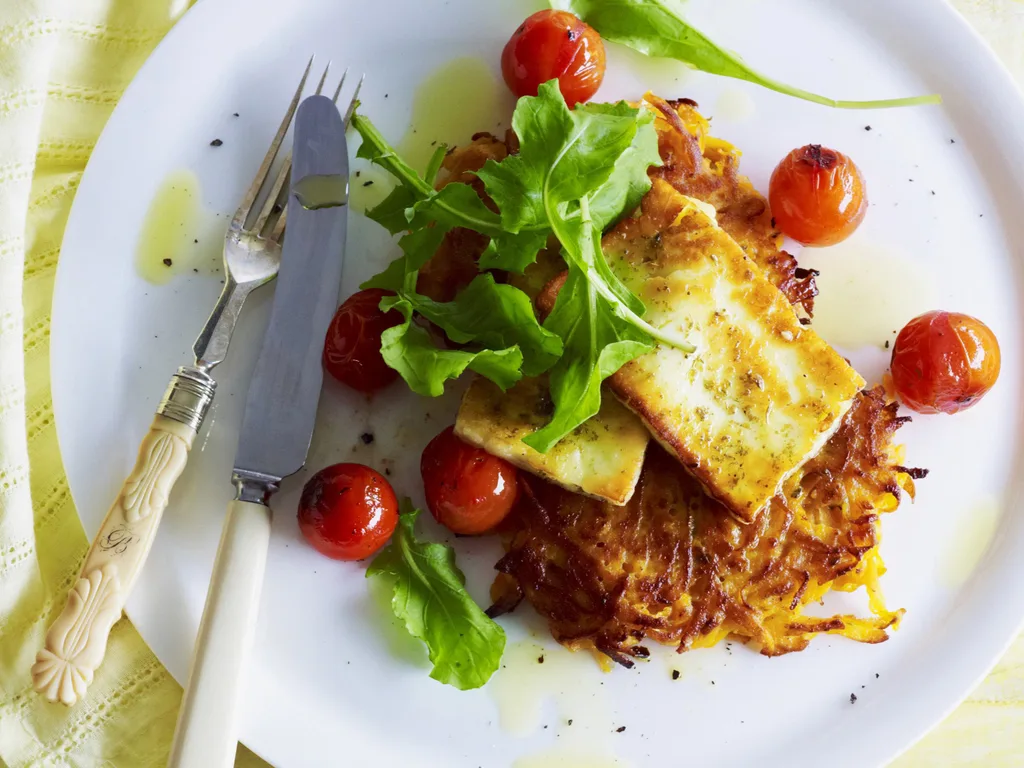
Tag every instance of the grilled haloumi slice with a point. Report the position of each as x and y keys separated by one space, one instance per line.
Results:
x=601 y=458
x=761 y=394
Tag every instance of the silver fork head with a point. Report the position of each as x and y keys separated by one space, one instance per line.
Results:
x=252 y=246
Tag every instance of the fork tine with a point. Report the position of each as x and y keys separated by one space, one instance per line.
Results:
x=341 y=84
x=354 y=101
x=238 y=220
x=277 y=197
x=272 y=196
x=323 y=78
x=276 y=203
x=278 y=230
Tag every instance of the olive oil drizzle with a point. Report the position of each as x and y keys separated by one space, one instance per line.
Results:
x=164 y=248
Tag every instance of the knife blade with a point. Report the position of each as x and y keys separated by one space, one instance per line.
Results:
x=277 y=427
x=281 y=405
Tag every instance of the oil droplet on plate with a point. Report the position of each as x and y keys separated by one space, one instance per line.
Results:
x=458 y=99
x=369 y=188
x=568 y=758
x=524 y=684
x=176 y=234
x=532 y=676
x=734 y=104
x=972 y=541
x=667 y=78
x=866 y=292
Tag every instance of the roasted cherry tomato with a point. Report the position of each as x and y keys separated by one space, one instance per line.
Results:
x=817 y=196
x=352 y=348
x=468 y=490
x=944 y=362
x=553 y=44
x=347 y=511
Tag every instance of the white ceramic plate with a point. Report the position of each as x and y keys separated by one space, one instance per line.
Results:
x=330 y=680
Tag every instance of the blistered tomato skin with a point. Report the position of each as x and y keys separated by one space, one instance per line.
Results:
x=944 y=362
x=468 y=490
x=352 y=347
x=817 y=195
x=348 y=511
x=554 y=44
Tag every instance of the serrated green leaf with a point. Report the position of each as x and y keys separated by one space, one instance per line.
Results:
x=457 y=205
x=655 y=27
x=391 y=212
x=417 y=249
x=563 y=155
x=430 y=598
x=495 y=316
x=514 y=252
x=434 y=166
x=408 y=349
x=628 y=183
x=597 y=343
x=376 y=149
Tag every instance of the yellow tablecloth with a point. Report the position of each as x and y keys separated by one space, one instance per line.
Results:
x=63 y=65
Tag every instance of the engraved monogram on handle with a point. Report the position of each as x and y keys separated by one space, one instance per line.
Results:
x=118 y=540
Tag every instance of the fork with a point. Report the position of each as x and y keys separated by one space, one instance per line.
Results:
x=76 y=642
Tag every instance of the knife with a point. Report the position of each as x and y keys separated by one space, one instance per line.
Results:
x=277 y=427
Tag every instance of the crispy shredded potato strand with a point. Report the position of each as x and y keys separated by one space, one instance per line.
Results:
x=674 y=566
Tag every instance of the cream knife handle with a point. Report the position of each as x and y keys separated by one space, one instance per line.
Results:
x=206 y=735
x=77 y=641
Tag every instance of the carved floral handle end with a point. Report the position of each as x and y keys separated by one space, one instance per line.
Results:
x=77 y=641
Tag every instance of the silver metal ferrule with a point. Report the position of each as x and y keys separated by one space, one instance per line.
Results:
x=188 y=397
x=254 y=487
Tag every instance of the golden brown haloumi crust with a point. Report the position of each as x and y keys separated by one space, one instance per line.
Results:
x=601 y=458
x=761 y=394
x=701 y=166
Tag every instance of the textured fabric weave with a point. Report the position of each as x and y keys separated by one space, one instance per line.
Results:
x=63 y=66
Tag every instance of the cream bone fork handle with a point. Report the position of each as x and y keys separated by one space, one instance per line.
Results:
x=76 y=642
x=280 y=411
